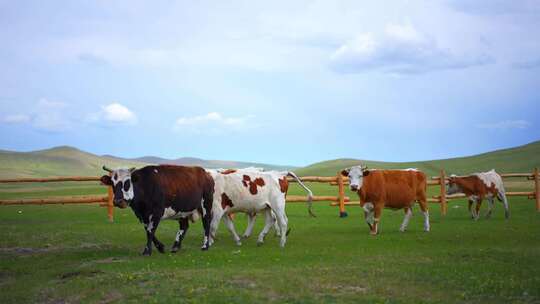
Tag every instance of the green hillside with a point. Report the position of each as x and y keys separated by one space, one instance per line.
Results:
x=519 y=159
x=59 y=161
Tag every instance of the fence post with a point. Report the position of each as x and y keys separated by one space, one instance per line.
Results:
x=537 y=189
x=341 y=195
x=442 y=200
x=110 y=206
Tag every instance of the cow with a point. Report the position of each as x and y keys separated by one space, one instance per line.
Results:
x=155 y=193
x=478 y=186
x=395 y=189
x=251 y=192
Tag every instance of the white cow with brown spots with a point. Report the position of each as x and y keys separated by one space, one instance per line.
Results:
x=252 y=192
x=478 y=186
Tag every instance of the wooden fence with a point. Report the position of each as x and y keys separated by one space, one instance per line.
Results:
x=340 y=200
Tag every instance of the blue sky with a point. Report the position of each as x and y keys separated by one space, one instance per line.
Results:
x=294 y=82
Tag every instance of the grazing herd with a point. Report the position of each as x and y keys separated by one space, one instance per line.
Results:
x=181 y=193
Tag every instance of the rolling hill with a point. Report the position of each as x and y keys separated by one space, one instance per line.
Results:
x=518 y=159
x=67 y=161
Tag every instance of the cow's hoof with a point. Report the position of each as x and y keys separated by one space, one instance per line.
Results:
x=205 y=248
x=401 y=229
x=245 y=236
x=374 y=233
x=238 y=243
x=507 y=215
x=160 y=248
x=175 y=249
x=260 y=243
x=146 y=252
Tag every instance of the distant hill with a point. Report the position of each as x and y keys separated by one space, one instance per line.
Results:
x=66 y=161
x=519 y=159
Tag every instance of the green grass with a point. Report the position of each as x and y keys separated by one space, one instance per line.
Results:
x=72 y=254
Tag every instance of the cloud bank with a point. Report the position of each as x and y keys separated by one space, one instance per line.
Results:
x=401 y=49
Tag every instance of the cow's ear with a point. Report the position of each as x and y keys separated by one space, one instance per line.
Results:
x=345 y=172
x=365 y=173
x=106 y=180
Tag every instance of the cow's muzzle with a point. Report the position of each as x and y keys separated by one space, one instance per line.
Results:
x=120 y=203
x=354 y=188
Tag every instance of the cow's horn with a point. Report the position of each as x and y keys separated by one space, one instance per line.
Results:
x=107 y=169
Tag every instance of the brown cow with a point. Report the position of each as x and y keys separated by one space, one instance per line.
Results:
x=478 y=186
x=395 y=189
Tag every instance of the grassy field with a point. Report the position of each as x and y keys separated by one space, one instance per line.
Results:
x=71 y=254
x=57 y=254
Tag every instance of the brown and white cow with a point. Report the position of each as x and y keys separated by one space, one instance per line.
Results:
x=252 y=192
x=478 y=186
x=395 y=189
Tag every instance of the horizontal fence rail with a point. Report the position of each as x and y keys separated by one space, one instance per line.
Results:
x=340 y=200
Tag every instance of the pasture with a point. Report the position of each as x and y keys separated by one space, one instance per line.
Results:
x=57 y=254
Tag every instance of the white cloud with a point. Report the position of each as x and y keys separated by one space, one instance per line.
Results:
x=117 y=113
x=114 y=113
x=505 y=125
x=46 y=115
x=16 y=118
x=401 y=49
x=212 y=123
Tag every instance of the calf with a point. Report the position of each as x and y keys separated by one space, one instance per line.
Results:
x=162 y=192
x=395 y=189
x=478 y=186
x=252 y=192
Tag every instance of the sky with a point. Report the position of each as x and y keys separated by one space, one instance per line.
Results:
x=286 y=82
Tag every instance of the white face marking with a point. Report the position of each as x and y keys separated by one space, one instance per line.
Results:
x=155 y=171
x=123 y=176
x=356 y=177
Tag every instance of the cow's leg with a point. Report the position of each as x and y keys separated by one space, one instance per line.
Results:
x=251 y=222
x=150 y=225
x=478 y=205
x=283 y=222
x=490 y=206
x=502 y=197
x=184 y=226
x=217 y=214
x=377 y=219
x=408 y=215
x=471 y=210
x=425 y=212
x=368 y=215
x=276 y=226
x=268 y=222
x=207 y=219
x=230 y=225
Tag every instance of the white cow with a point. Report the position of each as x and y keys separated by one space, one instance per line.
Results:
x=252 y=191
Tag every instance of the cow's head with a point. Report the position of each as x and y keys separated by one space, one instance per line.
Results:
x=356 y=176
x=120 y=180
x=452 y=187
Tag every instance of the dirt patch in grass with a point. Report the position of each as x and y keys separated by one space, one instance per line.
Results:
x=72 y=274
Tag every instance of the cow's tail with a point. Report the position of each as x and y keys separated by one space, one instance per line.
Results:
x=310 y=194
